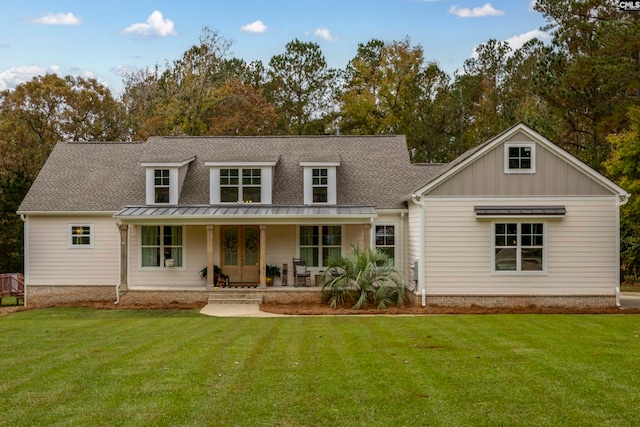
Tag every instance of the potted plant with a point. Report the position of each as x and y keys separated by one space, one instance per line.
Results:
x=219 y=278
x=272 y=272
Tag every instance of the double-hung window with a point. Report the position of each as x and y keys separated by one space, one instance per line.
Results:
x=161 y=246
x=320 y=185
x=80 y=236
x=518 y=247
x=240 y=185
x=385 y=240
x=161 y=185
x=320 y=243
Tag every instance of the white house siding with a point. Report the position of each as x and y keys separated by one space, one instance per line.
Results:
x=50 y=261
x=581 y=249
x=413 y=237
x=194 y=252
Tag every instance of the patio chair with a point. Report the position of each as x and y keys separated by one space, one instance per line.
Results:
x=300 y=273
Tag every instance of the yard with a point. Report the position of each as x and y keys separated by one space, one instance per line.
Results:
x=82 y=366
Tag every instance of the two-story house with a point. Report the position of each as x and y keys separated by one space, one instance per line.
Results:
x=514 y=221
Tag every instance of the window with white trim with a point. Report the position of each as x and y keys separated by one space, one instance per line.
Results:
x=161 y=185
x=519 y=158
x=80 y=235
x=518 y=247
x=320 y=243
x=320 y=182
x=240 y=185
x=385 y=240
x=161 y=246
x=320 y=185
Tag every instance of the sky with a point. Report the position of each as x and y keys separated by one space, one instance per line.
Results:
x=103 y=39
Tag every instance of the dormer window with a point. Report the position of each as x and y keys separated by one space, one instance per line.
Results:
x=165 y=181
x=519 y=158
x=320 y=183
x=235 y=189
x=241 y=180
x=161 y=186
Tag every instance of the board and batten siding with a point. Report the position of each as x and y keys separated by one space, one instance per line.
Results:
x=580 y=249
x=52 y=262
x=486 y=177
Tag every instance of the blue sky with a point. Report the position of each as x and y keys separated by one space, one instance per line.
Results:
x=103 y=38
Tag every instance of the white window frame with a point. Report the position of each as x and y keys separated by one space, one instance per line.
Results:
x=519 y=247
x=320 y=244
x=72 y=235
x=162 y=185
x=266 y=180
x=332 y=194
x=374 y=244
x=162 y=246
x=241 y=185
x=530 y=170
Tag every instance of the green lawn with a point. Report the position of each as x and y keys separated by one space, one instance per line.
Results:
x=90 y=367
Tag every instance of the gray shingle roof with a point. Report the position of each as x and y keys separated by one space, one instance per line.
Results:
x=374 y=170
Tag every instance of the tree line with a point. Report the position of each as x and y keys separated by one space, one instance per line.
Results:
x=581 y=90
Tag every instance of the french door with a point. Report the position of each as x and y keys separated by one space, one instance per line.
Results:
x=240 y=246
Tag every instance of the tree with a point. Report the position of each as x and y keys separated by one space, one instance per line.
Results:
x=366 y=277
x=590 y=75
x=623 y=166
x=301 y=87
x=177 y=101
x=391 y=88
x=47 y=109
x=240 y=109
x=13 y=188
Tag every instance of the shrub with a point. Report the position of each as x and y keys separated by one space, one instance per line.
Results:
x=366 y=277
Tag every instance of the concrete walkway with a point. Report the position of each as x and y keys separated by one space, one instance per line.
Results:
x=236 y=310
x=630 y=300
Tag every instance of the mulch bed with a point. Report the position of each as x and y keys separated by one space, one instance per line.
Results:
x=325 y=310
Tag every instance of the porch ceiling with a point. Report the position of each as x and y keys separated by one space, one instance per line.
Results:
x=245 y=213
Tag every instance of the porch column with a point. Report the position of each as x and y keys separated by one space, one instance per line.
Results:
x=124 y=256
x=210 y=272
x=263 y=254
x=367 y=236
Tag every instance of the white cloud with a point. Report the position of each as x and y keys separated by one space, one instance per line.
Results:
x=13 y=77
x=325 y=34
x=517 y=41
x=57 y=19
x=156 y=26
x=256 y=27
x=476 y=12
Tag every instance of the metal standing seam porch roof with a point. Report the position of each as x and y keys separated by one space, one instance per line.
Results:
x=489 y=211
x=244 y=212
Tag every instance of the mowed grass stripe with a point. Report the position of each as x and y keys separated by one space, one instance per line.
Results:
x=91 y=367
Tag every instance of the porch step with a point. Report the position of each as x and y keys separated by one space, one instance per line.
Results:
x=233 y=296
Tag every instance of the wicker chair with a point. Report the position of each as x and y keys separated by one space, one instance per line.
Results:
x=300 y=273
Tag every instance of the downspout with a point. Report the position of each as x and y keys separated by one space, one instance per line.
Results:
x=419 y=200
x=23 y=217
x=622 y=200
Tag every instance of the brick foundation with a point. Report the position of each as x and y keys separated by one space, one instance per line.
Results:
x=38 y=296
x=515 y=301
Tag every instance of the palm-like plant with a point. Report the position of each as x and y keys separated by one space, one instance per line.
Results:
x=368 y=277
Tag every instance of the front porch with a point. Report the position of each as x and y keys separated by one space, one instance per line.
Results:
x=143 y=295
